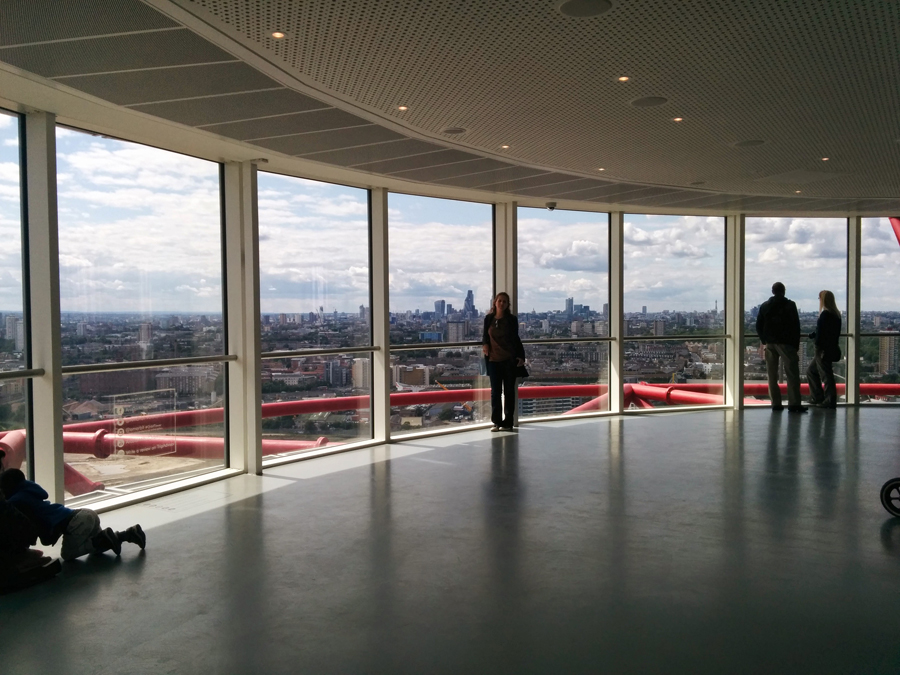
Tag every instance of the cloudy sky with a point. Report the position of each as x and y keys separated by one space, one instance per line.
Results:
x=439 y=250
x=10 y=217
x=562 y=254
x=674 y=262
x=140 y=232
x=313 y=245
x=139 y=228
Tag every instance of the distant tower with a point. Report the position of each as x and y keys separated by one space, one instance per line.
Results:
x=145 y=333
x=570 y=307
x=20 y=335
x=469 y=305
x=457 y=331
x=887 y=353
x=440 y=308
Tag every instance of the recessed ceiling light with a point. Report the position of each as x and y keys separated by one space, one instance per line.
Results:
x=624 y=79
x=601 y=169
x=796 y=192
x=277 y=35
x=454 y=131
x=505 y=147
x=824 y=159
x=677 y=119
x=649 y=101
x=584 y=9
x=402 y=108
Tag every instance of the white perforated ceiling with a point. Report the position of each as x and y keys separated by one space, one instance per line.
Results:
x=811 y=78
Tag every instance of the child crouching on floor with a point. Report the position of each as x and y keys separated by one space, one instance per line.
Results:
x=79 y=528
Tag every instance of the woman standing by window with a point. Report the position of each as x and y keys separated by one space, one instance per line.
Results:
x=504 y=352
x=827 y=336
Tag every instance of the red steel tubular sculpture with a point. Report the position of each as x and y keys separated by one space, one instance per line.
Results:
x=141 y=435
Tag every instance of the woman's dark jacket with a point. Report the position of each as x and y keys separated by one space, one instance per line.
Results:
x=828 y=334
x=512 y=334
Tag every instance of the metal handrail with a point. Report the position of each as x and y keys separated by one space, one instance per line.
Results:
x=431 y=345
x=18 y=374
x=137 y=365
x=670 y=338
x=553 y=341
x=319 y=352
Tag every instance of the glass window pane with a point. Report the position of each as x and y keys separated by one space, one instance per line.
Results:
x=312 y=402
x=157 y=424
x=879 y=366
x=565 y=378
x=438 y=388
x=674 y=275
x=674 y=286
x=563 y=263
x=13 y=352
x=441 y=269
x=313 y=264
x=807 y=255
x=140 y=253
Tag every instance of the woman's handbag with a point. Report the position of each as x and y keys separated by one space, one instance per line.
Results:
x=521 y=371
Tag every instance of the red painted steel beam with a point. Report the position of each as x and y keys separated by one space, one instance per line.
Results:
x=77 y=483
x=895 y=223
x=103 y=444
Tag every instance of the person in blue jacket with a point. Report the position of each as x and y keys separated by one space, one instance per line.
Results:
x=79 y=528
x=827 y=336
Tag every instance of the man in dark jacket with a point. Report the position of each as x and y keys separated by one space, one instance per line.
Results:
x=778 y=328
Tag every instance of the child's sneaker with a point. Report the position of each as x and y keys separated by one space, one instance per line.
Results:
x=134 y=535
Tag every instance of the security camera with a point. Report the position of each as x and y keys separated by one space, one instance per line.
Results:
x=551 y=206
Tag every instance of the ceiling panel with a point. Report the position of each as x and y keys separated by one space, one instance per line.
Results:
x=232 y=107
x=168 y=84
x=471 y=166
x=503 y=173
x=123 y=52
x=319 y=141
x=28 y=21
x=390 y=166
x=674 y=198
x=286 y=125
x=532 y=181
x=606 y=192
x=554 y=190
x=635 y=195
x=365 y=154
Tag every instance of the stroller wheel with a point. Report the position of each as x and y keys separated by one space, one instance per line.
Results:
x=890 y=496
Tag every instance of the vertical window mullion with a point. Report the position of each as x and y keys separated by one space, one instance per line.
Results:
x=43 y=273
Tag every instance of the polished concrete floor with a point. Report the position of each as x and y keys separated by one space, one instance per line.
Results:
x=706 y=542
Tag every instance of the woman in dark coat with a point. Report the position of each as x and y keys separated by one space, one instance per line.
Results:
x=827 y=336
x=504 y=352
